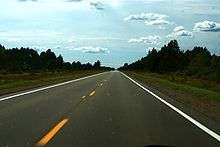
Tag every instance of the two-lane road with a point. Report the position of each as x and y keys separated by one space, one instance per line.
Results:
x=103 y=110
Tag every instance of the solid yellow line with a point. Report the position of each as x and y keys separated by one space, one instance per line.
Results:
x=51 y=133
x=92 y=93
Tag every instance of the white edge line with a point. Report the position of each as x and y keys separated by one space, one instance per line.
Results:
x=195 y=122
x=48 y=87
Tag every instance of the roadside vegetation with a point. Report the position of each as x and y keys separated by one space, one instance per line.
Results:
x=24 y=68
x=197 y=62
x=191 y=77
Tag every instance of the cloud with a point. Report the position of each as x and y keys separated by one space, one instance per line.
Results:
x=180 y=32
x=149 y=18
x=93 y=50
x=146 y=16
x=97 y=5
x=93 y=4
x=63 y=0
x=27 y=0
x=207 y=26
x=146 y=40
x=74 y=0
x=179 y=28
x=76 y=4
x=157 y=22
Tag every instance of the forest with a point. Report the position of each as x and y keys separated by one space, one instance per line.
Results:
x=17 y=60
x=197 y=62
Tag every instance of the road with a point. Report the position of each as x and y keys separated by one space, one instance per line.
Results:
x=103 y=110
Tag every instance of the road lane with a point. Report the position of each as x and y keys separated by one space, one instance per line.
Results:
x=23 y=120
x=92 y=93
x=180 y=112
x=52 y=133
x=107 y=110
x=122 y=114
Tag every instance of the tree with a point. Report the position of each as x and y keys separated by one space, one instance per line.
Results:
x=97 y=64
x=59 y=62
x=28 y=60
x=48 y=59
x=199 y=61
x=152 y=60
x=2 y=57
x=169 y=59
x=125 y=65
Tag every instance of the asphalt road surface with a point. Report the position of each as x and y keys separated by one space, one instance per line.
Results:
x=104 y=110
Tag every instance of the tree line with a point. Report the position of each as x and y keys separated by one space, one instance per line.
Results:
x=197 y=62
x=28 y=60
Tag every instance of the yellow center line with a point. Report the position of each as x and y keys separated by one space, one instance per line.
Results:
x=51 y=133
x=92 y=93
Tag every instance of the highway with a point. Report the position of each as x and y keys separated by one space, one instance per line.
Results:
x=107 y=109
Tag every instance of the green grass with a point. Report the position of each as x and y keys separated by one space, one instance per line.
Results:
x=195 y=87
x=10 y=83
x=202 y=96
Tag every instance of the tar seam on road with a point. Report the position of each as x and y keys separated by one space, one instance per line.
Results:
x=195 y=122
x=48 y=87
x=51 y=133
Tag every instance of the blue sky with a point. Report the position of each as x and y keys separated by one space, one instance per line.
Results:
x=113 y=31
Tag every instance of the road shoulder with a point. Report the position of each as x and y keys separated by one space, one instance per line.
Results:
x=182 y=105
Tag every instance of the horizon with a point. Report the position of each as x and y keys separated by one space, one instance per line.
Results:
x=91 y=30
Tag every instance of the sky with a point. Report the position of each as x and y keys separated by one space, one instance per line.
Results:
x=112 y=31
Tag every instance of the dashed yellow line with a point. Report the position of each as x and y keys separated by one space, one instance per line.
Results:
x=52 y=133
x=92 y=93
x=55 y=130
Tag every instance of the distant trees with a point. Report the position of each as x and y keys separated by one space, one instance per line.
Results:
x=196 y=62
x=97 y=64
x=28 y=60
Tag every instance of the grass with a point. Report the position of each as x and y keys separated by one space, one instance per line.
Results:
x=200 y=95
x=10 y=83
x=196 y=87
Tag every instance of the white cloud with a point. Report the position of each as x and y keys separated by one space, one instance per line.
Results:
x=97 y=5
x=149 y=18
x=180 y=32
x=93 y=50
x=157 y=22
x=27 y=0
x=209 y=26
x=74 y=0
x=184 y=33
x=146 y=16
x=146 y=40
x=179 y=28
